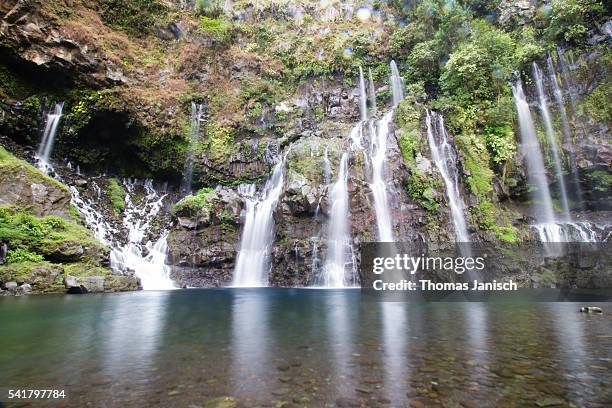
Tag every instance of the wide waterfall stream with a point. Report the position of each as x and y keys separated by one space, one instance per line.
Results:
x=253 y=259
x=138 y=253
x=552 y=141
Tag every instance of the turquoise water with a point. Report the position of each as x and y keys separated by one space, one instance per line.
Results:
x=306 y=347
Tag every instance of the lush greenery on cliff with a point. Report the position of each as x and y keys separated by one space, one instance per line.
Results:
x=267 y=74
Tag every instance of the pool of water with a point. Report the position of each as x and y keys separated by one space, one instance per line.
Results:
x=306 y=347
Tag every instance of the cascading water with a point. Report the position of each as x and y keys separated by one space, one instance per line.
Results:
x=253 y=263
x=339 y=237
x=445 y=159
x=150 y=268
x=567 y=133
x=194 y=134
x=45 y=149
x=536 y=172
x=548 y=228
x=327 y=170
x=145 y=258
x=551 y=137
x=378 y=155
x=379 y=185
x=363 y=99
x=397 y=84
x=372 y=92
x=559 y=99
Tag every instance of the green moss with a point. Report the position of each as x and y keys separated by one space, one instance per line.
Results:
x=488 y=218
x=202 y=199
x=598 y=102
x=38 y=273
x=423 y=189
x=32 y=238
x=10 y=166
x=219 y=28
x=85 y=269
x=117 y=194
x=220 y=141
x=599 y=180
x=135 y=17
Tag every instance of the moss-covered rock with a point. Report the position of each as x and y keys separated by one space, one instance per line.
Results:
x=23 y=185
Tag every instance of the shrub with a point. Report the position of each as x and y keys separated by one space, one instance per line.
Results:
x=135 y=17
x=20 y=255
x=570 y=19
x=219 y=28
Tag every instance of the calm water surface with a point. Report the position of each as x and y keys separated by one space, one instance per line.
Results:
x=310 y=348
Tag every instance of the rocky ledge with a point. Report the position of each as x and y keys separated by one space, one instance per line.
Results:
x=44 y=247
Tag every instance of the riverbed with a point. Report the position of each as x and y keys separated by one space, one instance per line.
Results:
x=306 y=347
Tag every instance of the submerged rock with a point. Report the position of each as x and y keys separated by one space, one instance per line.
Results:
x=591 y=309
x=222 y=402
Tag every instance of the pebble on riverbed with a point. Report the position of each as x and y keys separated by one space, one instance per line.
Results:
x=591 y=309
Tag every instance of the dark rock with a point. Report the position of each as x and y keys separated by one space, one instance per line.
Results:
x=344 y=402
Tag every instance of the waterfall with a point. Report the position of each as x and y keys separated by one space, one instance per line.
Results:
x=445 y=159
x=45 y=149
x=551 y=137
x=567 y=133
x=253 y=263
x=372 y=92
x=378 y=185
x=194 y=134
x=327 y=170
x=536 y=172
x=397 y=84
x=363 y=98
x=339 y=237
x=139 y=254
x=572 y=231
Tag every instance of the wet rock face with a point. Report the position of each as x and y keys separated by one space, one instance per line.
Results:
x=27 y=33
x=22 y=185
x=204 y=240
x=100 y=284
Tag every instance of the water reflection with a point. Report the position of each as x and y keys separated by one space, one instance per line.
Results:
x=395 y=334
x=266 y=346
x=251 y=350
x=130 y=336
x=339 y=310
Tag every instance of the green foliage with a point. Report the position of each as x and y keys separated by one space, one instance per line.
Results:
x=210 y=8
x=486 y=217
x=570 y=19
x=409 y=144
x=480 y=68
x=423 y=189
x=32 y=238
x=117 y=194
x=599 y=101
x=220 y=141
x=218 y=27
x=599 y=180
x=501 y=142
x=528 y=48
x=20 y=255
x=202 y=199
x=423 y=61
x=135 y=17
